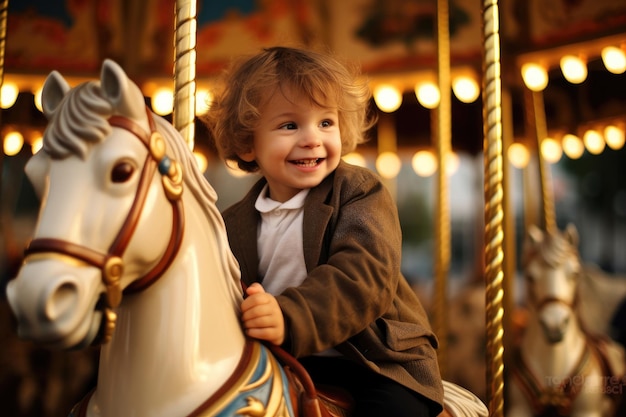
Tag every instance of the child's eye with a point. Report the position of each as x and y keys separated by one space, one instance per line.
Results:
x=326 y=123
x=289 y=125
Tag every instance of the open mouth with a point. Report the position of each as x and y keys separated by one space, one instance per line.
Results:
x=307 y=162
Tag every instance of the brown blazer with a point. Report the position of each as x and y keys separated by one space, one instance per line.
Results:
x=354 y=297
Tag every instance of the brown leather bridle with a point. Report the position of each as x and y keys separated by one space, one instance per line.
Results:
x=110 y=263
x=540 y=303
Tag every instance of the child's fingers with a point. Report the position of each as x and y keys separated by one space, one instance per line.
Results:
x=251 y=311
x=254 y=301
x=255 y=288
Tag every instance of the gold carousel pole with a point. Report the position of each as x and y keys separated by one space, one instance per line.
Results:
x=509 y=246
x=536 y=119
x=492 y=149
x=443 y=135
x=4 y=15
x=183 y=117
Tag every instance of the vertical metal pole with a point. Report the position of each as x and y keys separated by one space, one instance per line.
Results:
x=492 y=149
x=388 y=142
x=185 y=70
x=509 y=246
x=536 y=123
x=536 y=120
x=4 y=15
x=443 y=135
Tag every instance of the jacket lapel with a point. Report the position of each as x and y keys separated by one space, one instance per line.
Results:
x=317 y=215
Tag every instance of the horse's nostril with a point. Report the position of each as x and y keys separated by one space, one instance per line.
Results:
x=62 y=300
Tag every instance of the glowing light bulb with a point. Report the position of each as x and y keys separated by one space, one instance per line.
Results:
x=424 y=163
x=388 y=165
x=593 y=142
x=614 y=59
x=518 y=155
x=354 y=158
x=614 y=137
x=572 y=146
x=388 y=98
x=163 y=101
x=551 y=150
x=574 y=69
x=13 y=142
x=466 y=89
x=428 y=95
x=204 y=98
x=8 y=95
x=535 y=76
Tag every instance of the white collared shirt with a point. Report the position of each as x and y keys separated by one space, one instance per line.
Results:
x=279 y=241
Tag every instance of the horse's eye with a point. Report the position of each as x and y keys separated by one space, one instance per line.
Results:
x=121 y=172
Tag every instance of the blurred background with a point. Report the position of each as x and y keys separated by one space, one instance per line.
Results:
x=570 y=53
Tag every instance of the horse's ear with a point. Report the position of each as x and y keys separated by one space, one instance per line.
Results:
x=120 y=91
x=571 y=234
x=54 y=89
x=535 y=234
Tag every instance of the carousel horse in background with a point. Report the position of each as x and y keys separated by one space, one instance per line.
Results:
x=602 y=296
x=560 y=368
x=131 y=251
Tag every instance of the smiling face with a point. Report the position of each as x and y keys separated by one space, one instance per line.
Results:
x=296 y=143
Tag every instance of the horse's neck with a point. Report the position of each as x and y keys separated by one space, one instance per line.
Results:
x=176 y=342
x=553 y=361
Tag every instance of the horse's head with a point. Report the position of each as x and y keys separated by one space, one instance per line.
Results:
x=551 y=267
x=102 y=173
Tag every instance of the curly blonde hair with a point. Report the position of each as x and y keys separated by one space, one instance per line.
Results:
x=234 y=112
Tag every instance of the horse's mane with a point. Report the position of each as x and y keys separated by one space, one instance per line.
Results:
x=552 y=250
x=81 y=120
x=198 y=185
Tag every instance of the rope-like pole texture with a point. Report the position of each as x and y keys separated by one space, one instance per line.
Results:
x=536 y=118
x=4 y=15
x=185 y=70
x=442 y=232
x=492 y=149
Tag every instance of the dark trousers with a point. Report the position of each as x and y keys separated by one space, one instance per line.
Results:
x=374 y=394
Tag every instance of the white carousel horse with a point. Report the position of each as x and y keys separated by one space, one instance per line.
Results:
x=122 y=253
x=600 y=297
x=560 y=368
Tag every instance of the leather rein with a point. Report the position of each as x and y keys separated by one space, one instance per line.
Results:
x=111 y=264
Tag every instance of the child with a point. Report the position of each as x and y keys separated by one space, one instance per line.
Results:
x=318 y=240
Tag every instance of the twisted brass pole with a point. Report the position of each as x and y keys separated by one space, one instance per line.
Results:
x=492 y=149
x=4 y=15
x=183 y=117
x=443 y=136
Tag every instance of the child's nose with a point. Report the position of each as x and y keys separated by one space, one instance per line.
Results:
x=310 y=139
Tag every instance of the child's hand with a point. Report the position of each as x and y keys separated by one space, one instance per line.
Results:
x=261 y=315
